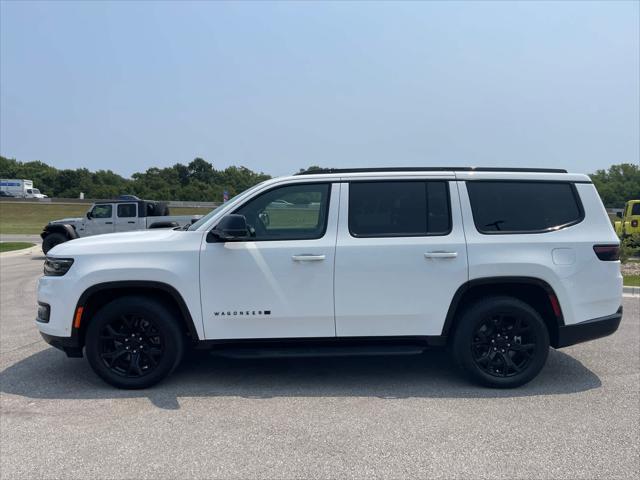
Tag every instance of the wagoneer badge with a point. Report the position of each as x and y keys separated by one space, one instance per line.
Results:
x=236 y=313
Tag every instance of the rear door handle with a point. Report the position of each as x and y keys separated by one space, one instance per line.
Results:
x=131 y=222
x=307 y=258
x=441 y=255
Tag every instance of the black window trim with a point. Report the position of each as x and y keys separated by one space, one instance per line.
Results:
x=556 y=228
x=330 y=184
x=446 y=181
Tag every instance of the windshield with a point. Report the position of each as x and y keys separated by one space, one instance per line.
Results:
x=208 y=216
x=35 y=190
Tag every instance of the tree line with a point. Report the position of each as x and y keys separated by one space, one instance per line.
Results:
x=200 y=181
x=196 y=181
x=618 y=184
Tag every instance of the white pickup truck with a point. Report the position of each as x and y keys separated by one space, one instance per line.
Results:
x=122 y=215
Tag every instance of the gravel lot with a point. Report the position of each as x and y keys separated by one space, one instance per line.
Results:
x=312 y=418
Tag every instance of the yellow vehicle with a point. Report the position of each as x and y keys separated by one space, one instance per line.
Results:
x=629 y=220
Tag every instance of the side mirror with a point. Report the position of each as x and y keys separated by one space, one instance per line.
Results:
x=231 y=228
x=89 y=215
x=619 y=214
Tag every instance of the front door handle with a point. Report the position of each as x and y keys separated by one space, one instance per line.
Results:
x=108 y=223
x=307 y=258
x=131 y=222
x=441 y=255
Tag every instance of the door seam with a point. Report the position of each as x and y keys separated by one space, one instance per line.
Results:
x=464 y=232
x=335 y=254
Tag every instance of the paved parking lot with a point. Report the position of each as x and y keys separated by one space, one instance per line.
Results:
x=312 y=418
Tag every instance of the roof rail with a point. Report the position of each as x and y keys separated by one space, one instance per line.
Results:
x=429 y=169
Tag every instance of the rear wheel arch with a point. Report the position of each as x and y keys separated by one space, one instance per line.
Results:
x=98 y=296
x=534 y=291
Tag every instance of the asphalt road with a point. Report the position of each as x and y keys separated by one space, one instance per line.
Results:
x=391 y=417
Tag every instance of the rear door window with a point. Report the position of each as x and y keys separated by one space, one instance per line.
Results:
x=399 y=209
x=127 y=210
x=523 y=207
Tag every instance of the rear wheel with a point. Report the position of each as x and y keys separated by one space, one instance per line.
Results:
x=501 y=342
x=52 y=240
x=134 y=342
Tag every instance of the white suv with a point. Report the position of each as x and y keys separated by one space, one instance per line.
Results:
x=497 y=264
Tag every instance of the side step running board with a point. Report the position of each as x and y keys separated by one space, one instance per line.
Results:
x=328 y=351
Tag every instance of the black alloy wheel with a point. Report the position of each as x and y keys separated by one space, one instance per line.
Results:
x=503 y=345
x=131 y=345
x=500 y=342
x=134 y=341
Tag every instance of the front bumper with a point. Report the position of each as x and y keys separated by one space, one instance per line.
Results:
x=69 y=345
x=588 y=330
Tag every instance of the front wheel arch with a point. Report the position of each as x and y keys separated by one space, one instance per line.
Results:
x=97 y=296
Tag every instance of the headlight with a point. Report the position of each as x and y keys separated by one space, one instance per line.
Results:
x=56 y=267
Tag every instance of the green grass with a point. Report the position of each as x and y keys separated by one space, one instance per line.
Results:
x=9 y=246
x=292 y=217
x=29 y=218
x=632 y=280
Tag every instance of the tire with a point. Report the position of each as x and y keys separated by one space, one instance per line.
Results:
x=52 y=240
x=501 y=342
x=134 y=342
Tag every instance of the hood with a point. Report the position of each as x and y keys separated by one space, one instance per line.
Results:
x=125 y=243
x=68 y=220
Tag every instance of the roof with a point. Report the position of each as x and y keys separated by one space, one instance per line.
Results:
x=430 y=169
x=451 y=173
x=121 y=200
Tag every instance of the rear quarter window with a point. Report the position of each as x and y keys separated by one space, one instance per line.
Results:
x=523 y=207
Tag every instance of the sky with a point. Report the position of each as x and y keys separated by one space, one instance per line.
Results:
x=284 y=85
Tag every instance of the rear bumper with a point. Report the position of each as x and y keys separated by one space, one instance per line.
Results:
x=69 y=345
x=589 y=330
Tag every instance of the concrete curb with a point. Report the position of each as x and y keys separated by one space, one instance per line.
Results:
x=631 y=290
x=31 y=251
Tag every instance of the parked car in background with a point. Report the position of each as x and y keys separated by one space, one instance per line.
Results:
x=20 y=188
x=122 y=215
x=629 y=220
x=496 y=264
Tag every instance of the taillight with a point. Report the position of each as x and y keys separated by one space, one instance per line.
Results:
x=608 y=253
x=634 y=223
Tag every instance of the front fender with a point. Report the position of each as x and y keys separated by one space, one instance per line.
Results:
x=63 y=228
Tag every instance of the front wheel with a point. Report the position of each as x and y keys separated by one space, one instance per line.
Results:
x=52 y=240
x=501 y=342
x=134 y=342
